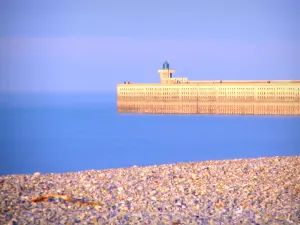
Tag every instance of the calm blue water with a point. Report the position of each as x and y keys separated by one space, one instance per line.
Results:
x=73 y=133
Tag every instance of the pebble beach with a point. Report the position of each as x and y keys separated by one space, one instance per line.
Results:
x=241 y=191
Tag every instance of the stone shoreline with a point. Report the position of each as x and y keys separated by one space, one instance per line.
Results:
x=245 y=191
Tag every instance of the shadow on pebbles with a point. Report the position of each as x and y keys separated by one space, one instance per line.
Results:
x=245 y=191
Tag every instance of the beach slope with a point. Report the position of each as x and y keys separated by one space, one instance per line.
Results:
x=247 y=191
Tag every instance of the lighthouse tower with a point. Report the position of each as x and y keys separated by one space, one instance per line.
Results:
x=165 y=73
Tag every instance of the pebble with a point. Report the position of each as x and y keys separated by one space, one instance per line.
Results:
x=36 y=174
x=241 y=191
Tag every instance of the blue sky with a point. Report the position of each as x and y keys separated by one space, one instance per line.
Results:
x=90 y=46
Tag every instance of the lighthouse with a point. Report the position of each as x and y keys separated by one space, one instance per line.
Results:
x=165 y=73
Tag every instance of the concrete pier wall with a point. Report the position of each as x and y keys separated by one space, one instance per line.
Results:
x=238 y=108
x=254 y=98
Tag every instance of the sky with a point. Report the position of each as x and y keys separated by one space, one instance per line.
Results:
x=89 y=46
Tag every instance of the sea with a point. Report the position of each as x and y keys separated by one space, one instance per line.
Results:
x=59 y=133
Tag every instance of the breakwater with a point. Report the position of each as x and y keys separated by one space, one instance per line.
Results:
x=183 y=96
x=219 y=108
